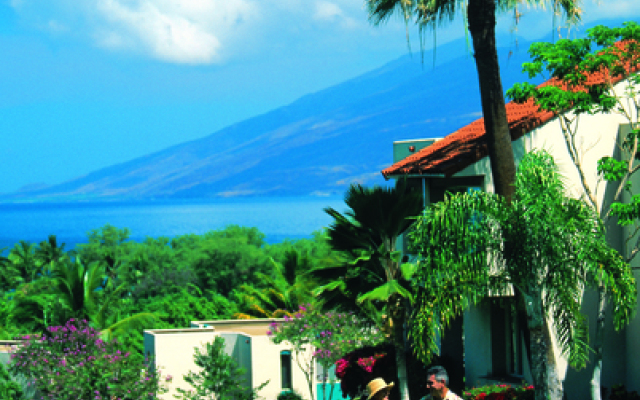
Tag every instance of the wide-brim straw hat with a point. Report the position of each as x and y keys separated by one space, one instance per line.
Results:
x=377 y=385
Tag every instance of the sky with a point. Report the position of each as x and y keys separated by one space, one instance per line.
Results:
x=85 y=84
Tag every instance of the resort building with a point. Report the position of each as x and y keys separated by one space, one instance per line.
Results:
x=493 y=344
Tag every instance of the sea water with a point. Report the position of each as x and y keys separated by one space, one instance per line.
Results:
x=278 y=218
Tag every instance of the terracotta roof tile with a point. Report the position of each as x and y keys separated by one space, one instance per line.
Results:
x=468 y=144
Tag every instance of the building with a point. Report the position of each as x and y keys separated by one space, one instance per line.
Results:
x=172 y=350
x=492 y=341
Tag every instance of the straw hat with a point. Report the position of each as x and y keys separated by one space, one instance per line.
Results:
x=377 y=385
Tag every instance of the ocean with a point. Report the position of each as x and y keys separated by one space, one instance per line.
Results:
x=278 y=218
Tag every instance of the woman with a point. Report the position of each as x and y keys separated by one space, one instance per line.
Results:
x=378 y=389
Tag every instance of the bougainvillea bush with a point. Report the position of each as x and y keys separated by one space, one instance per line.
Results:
x=358 y=367
x=331 y=334
x=73 y=362
x=500 y=392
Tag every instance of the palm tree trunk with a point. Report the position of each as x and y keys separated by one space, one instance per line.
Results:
x=539 y=343
x=553 y=380
x=481 y=15
x=401 y=358
x=596 y=390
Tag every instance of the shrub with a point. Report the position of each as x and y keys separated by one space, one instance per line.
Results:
x=500 y=392
x=73 y=362
x=290 y=395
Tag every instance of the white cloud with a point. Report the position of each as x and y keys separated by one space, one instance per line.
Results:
x=326 y=11
x=181 y=31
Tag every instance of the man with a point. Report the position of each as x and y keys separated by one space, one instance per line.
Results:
x=437 y=381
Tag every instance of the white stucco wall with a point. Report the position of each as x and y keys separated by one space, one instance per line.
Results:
x=266 y=366
x=173 y=349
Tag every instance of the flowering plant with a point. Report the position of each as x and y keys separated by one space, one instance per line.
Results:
x=358 y=367
x=500 y=392
x=367 y=363
x=327 y=334
x=73 y=362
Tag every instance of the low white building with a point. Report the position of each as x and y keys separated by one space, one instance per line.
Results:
x=173 y=350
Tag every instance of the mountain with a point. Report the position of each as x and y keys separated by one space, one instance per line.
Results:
x=317 y=145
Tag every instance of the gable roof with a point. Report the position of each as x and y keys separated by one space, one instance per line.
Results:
x=468 y=145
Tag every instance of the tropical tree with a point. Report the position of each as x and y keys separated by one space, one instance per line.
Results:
x=371 y=277
x=5 y=279
x=544 y=244
x=481 y=19
x=287 y=288
x=107 y=245
x=609 y=53
x=78 y=288
x=49 y=252
x=23 y=265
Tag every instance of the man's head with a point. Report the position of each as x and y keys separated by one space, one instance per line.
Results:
x=437 y=381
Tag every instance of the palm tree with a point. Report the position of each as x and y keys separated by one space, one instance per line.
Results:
x=543 y=243
x=24 y=267
x=481 y=19
x=48 y=253
x=371 y=276
x=287 y=288
x=79 y=288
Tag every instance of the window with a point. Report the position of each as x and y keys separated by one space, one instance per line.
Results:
x=285 y=369
x=506 y=338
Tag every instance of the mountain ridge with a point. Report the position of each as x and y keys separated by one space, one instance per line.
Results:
x=316 y=145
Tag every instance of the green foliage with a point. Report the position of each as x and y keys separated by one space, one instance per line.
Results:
x=223 y=260
x=220 y=378
x=607 y=52
x=290 y=395
x=72 y=362
x=500 y=392
x=287 y=288
x=179 y=309
x=368 y=277
x=123 y=287
x=9 y=388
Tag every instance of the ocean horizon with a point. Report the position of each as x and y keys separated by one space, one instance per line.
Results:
x=279 y=218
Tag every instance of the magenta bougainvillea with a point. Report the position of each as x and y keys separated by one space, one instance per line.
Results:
x=359 y=367
x=74 y=362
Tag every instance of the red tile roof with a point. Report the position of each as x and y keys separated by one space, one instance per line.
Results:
x=468 y=144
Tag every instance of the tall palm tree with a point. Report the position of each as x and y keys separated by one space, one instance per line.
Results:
x=371 y=276
x=481 y=19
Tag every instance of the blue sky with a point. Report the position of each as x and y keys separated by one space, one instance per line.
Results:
x=85 y=84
